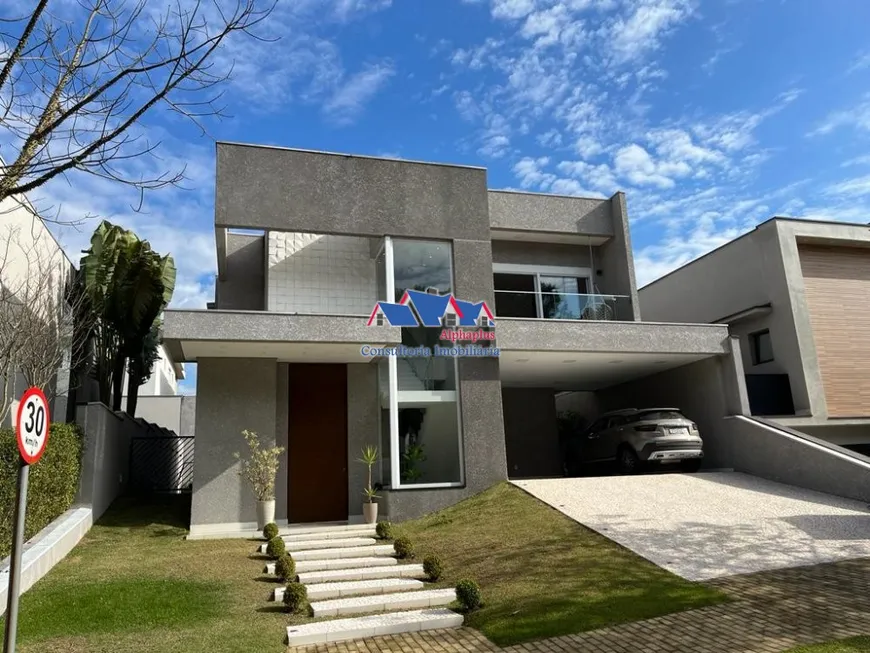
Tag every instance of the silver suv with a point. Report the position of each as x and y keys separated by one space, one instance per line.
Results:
x=633 y=437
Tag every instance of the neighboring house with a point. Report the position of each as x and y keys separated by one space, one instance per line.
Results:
x=164 y=377
x=159 y=401
x=34 y=273
x=327 y=237
x=797 y=295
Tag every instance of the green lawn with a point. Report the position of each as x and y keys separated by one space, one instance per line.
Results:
x=134 y=585
x=542 y=574
x=851 y=645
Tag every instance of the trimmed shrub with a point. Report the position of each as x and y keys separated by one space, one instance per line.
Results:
x=276 y=547
x=270 y=531
x=54 y=481
x=384 y=530
x=285 y=568
x=432 y=567
x=295 y=597
x=468 y=594
x=403 y=547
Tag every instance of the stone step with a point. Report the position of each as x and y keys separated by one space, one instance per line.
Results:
x=337 y=563
x=362 y=573
x=324 y=591
x=392 y=623
x=336 y=543
x=363 y=530
x=344 y=552
x=383 y=603
x=340 y=530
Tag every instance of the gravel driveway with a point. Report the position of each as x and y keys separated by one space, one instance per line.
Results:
x=708 y=525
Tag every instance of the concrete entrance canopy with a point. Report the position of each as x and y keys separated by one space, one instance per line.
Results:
x=587 y=355
x=286 y=337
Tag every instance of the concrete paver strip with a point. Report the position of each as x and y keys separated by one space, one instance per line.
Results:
x=709 y=525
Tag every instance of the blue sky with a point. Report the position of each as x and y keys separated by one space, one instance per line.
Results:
x=711 y=116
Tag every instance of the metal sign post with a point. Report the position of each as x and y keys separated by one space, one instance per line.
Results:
x=31 y=430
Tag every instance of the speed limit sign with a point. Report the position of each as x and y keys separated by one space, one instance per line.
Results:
x=32 y=425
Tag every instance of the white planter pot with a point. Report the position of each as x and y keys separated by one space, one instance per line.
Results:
x=265 y=513
x=370 y=512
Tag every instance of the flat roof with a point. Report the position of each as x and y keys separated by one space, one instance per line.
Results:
x=351 y=156
x=775 y=218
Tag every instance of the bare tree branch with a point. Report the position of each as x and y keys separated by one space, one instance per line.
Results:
x=72 y=91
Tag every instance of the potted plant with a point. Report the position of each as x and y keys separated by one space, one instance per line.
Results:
x=260 y=469
x=370 y=508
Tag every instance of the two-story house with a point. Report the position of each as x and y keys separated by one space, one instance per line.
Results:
x=328 y=236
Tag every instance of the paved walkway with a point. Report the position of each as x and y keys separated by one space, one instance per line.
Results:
x=710 y=525
x=771 y=612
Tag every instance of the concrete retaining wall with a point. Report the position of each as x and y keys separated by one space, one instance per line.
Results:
x=787 y=456
x=45 y=550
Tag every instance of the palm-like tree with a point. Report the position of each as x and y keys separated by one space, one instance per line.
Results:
x=128 y=285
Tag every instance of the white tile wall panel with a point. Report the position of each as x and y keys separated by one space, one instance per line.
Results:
x=313 y=273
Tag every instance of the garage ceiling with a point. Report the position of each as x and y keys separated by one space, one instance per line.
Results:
x=584 y=371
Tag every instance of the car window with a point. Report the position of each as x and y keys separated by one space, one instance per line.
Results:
x=618 y=420
x=659 y=414
x=598 y=425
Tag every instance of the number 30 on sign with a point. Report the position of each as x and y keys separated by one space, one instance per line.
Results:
x=32 y=425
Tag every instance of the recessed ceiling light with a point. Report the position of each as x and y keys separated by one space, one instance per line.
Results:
x=570 y=360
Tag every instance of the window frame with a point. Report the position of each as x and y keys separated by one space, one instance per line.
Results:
x=536 y=272
x=393 y=383
x=755 y=349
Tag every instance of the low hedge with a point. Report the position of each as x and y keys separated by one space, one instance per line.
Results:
x=54 y=481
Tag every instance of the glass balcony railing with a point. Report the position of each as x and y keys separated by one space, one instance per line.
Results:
x=562 y=306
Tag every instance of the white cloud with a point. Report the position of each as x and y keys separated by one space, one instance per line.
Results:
x=531 y=173
x=856 y=187
x=350 y=97
x=857 y=117
x=550 y=138
x=635 y=164
x=861 y=62
x=634 y=36
x=857 y=161
x=512 y=9
x=675 y=251
x=345 y=9
x=599 y=176
x=553 y=25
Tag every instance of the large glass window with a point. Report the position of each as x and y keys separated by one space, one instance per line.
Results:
x=420 y=402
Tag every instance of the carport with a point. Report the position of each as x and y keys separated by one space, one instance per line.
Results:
x=548 y=366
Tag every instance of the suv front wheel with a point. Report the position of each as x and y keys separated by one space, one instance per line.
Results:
x=627 y=460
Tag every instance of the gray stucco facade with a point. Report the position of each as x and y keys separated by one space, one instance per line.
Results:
x=345 y=210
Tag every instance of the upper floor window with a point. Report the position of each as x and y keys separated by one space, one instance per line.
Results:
x=760 y=347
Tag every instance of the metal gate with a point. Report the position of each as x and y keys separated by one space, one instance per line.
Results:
x=161 y=464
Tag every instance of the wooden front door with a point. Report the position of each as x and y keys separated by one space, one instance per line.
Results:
x=317 y=443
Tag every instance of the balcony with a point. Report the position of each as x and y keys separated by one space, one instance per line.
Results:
x=554 y=305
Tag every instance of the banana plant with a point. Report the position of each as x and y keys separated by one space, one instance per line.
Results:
x=128 y=286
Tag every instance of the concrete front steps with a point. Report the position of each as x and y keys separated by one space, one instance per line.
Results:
x=344 y=589
x=361 y=573
x=347 y=572
x=304 y=566
x=383 y=603
x=327 y=543
x=391 y=623
x=384 y=550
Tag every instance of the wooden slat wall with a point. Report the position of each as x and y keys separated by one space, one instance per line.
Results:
x=837 y=282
